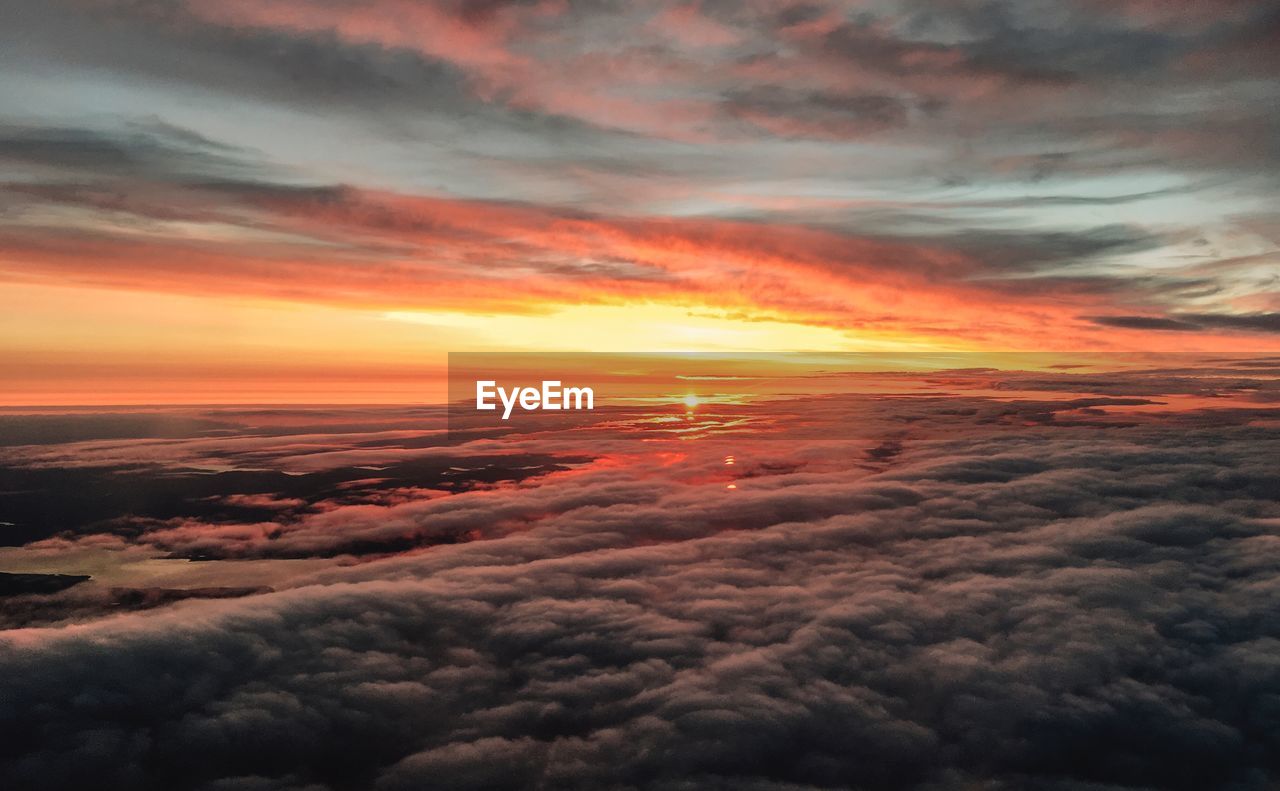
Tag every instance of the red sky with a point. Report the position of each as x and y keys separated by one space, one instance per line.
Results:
x=307 y=201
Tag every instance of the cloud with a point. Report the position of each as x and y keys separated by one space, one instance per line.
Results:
x=1145 y=323
x=284 y=240
x=595 y=154
x=1196 y=322
x=797 y=114
x=1248 y=322
x=141 y=150
x=986 y=596
x=1074 y=610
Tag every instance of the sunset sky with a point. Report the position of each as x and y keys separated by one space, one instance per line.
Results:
x=211 y=200
x=934 y=349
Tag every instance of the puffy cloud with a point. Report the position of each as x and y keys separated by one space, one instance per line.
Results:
x=1000 y=604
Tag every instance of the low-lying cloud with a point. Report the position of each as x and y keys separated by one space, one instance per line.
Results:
x=1012 y=606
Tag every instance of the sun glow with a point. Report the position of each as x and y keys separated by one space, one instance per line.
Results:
x=648 y=327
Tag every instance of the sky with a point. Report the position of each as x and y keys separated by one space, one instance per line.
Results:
x=1001 y=579
x=313 y=201
x=990 y=501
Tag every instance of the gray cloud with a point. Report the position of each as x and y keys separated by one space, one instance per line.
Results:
x=142 y=149
x=1076 y=609
x=990 y=129
x=816 y=114
x=1144 y=323
x=1195 y=322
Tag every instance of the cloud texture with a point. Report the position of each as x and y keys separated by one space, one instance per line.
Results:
x=1012 y=604
x=985 y=174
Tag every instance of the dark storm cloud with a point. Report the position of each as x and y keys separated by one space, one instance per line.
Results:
x=1077 y=611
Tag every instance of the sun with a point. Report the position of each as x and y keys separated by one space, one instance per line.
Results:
x=691 y=401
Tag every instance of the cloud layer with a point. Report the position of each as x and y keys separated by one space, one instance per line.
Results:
x=990 y=597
